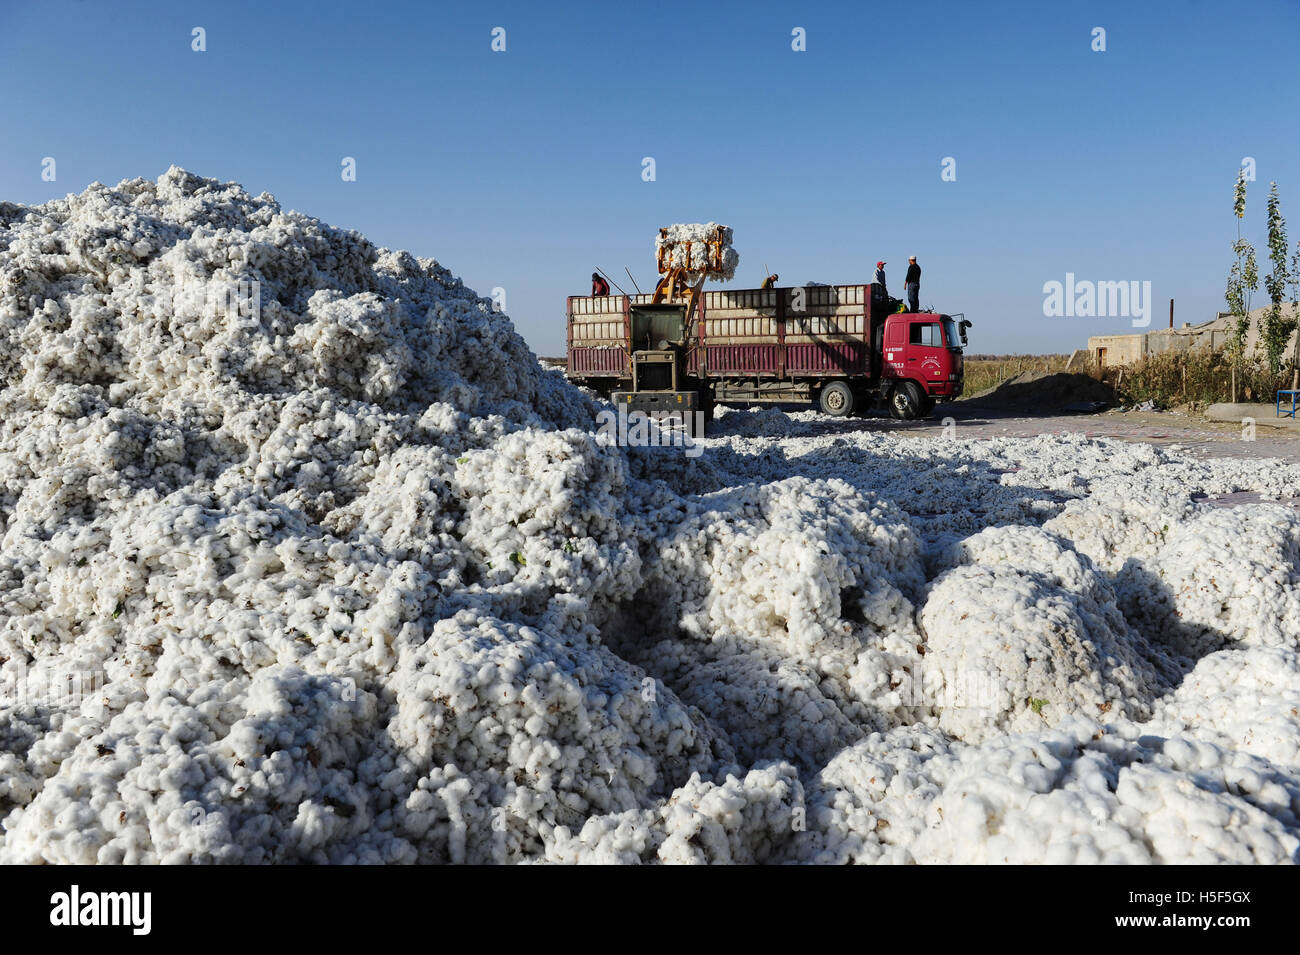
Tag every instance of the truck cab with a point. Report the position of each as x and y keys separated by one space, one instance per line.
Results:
x=920 y=362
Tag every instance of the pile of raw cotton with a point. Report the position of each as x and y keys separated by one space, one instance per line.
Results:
x=690 y=248
x=303 y=557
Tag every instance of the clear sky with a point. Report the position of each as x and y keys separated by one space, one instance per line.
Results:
x=523 y=169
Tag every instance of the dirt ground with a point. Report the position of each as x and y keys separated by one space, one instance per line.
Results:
x=1190 y=432
x=1193 y=432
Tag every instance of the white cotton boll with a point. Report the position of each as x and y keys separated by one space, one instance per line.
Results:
x=1023 y=632
x=1111 y=530
x=743 y=820
x=340 y=574
x=1245 y=700
x=784 y=562
x=216 y=394
x=1226 y=576
x=578 y=746
x=1191 y=824
x=1079 y=794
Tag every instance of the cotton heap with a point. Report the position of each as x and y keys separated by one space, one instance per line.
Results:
x=285 y=516
x=304 y=557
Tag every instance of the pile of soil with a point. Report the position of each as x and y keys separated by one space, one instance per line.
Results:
x=1035 y=391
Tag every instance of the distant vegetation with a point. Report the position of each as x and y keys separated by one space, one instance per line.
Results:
x=1198 y=377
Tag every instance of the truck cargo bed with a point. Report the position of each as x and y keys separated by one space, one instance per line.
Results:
x=813 y=331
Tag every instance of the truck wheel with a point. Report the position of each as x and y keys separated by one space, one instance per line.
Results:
x=836 y=399
x=905 y=401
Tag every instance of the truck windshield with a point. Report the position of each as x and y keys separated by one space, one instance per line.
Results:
x=950 y=332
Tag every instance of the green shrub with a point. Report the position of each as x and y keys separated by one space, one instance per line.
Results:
x=1198 y=377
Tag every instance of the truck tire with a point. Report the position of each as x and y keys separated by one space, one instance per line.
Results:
x=906 y=401
x=836 y=399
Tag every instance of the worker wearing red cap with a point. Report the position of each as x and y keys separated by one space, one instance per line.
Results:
x=883 y=291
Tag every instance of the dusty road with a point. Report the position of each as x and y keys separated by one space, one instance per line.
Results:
x=1211 y=438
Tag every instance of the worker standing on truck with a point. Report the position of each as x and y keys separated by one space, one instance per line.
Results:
x=912 y=285
x=770 y=281
x=598 y=285
x=881 y=289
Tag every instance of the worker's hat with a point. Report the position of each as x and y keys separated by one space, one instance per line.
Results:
x=880 y=265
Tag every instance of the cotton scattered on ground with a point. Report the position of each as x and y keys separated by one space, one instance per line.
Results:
x=341 y=573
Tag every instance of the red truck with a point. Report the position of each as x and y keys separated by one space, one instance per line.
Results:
x=840 y=346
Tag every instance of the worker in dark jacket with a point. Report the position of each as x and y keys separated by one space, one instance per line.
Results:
x=881 y=289
x=598 y=285
x=912 y=285
x=770 y=281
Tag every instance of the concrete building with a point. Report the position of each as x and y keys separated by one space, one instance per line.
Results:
x=1110 y=350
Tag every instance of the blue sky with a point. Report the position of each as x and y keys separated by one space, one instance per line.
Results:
x=522 y=169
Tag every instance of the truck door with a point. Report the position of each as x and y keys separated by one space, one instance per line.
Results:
x=893 y=360
x=926 y=356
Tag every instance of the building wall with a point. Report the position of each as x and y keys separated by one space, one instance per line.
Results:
x=1126 y=349
x=1110 y=350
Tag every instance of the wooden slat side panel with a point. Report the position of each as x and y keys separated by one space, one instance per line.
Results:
x=818 y=326
x=832 y=316
x=759 y=359
x=610 y=362
x=838 y=358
